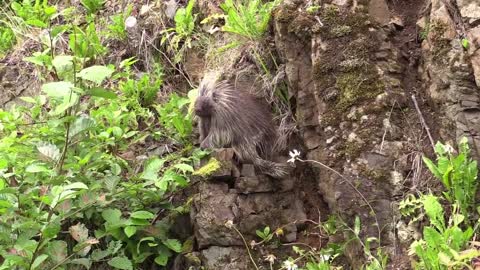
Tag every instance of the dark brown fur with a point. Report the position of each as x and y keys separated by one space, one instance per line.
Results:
x=233 y=118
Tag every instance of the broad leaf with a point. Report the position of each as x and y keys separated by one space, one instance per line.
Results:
x=49 y=151
x=79 y=232
x=81 y=124
x=57 y=251
x=112 y=215
x=184 y=167
x=38 y=261
x=130 y=230
x=142 y=215
x=121 y=263
x=103 y=93
x=173 y=244
x=96 y=74
x=161 y=259
x=58 y=89
x=62 y=63
x=152 y=168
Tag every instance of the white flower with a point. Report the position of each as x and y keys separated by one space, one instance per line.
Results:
x=270 y=258
x=294 y=155
x=449 y=149
x=229 y=224
x=289 y=265
x=130 y=22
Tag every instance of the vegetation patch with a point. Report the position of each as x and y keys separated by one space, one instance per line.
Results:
x=208 y=169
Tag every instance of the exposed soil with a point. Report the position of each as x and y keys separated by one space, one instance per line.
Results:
x=408 y=40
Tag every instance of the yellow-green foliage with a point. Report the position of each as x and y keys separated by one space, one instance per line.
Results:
x=212 y=166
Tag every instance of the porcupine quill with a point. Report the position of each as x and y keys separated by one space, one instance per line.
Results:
x=230 y=117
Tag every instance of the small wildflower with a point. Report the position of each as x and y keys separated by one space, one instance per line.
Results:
x=449 y=149
x=229 y=224
x=289 y=265
x=293 y=155
x=279 y=231
x=325 y=257
x=270 y=258
x=130 y=22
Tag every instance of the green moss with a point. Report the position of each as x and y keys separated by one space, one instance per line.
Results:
x=356 y=86
x=285 y=14
x=440 y=45
x=302 y=24
x=330 y=14
x=340 y=31
x=353 y=149
x=208 y=169
x=376 y=175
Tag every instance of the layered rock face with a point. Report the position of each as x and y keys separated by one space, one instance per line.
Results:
x=374 y=85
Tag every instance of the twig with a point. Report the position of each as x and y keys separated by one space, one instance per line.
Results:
x=422 y=120
x=246 y=245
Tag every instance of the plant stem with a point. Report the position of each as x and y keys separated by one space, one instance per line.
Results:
x=246 y=246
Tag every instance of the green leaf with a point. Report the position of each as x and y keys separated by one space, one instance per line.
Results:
x=356 y=228
x=101 y=92
x=173 y=244
x=49 y=151
x=29 y=100
x=96 y=74
x=35 y=168
x=76 y=185
x=434 y=211
x=39 y=261
x=130 y=230
x=465 y=43
x=111 y=182
x=161 y=259
x=87 y=263
x=57 y=251
x=62 y=63
x=142 y=215
x=58 y=89
x=152 y=168
x=112 y=216
x=51 y=230
x=432 y=167
x=81 y=124
x=184 y=167
x=68 y=101
x=113 y=248
x=121 y=263
x=36 y=22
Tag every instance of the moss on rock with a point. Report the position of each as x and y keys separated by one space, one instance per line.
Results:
x=208 y=169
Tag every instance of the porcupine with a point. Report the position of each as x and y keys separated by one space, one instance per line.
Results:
x=229 y=117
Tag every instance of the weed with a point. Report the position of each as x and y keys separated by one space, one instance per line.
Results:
x=144 y=90
x=248 y=19
x=458 y=174
x=92 y=6
x=173 y=118
x=34 y=13
x=443 y=244
x=425 y=31
x=180 y=37
x=86 y=43
x=117 y=27
x=72 y=195
x=265 y=235
x=7 y=39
